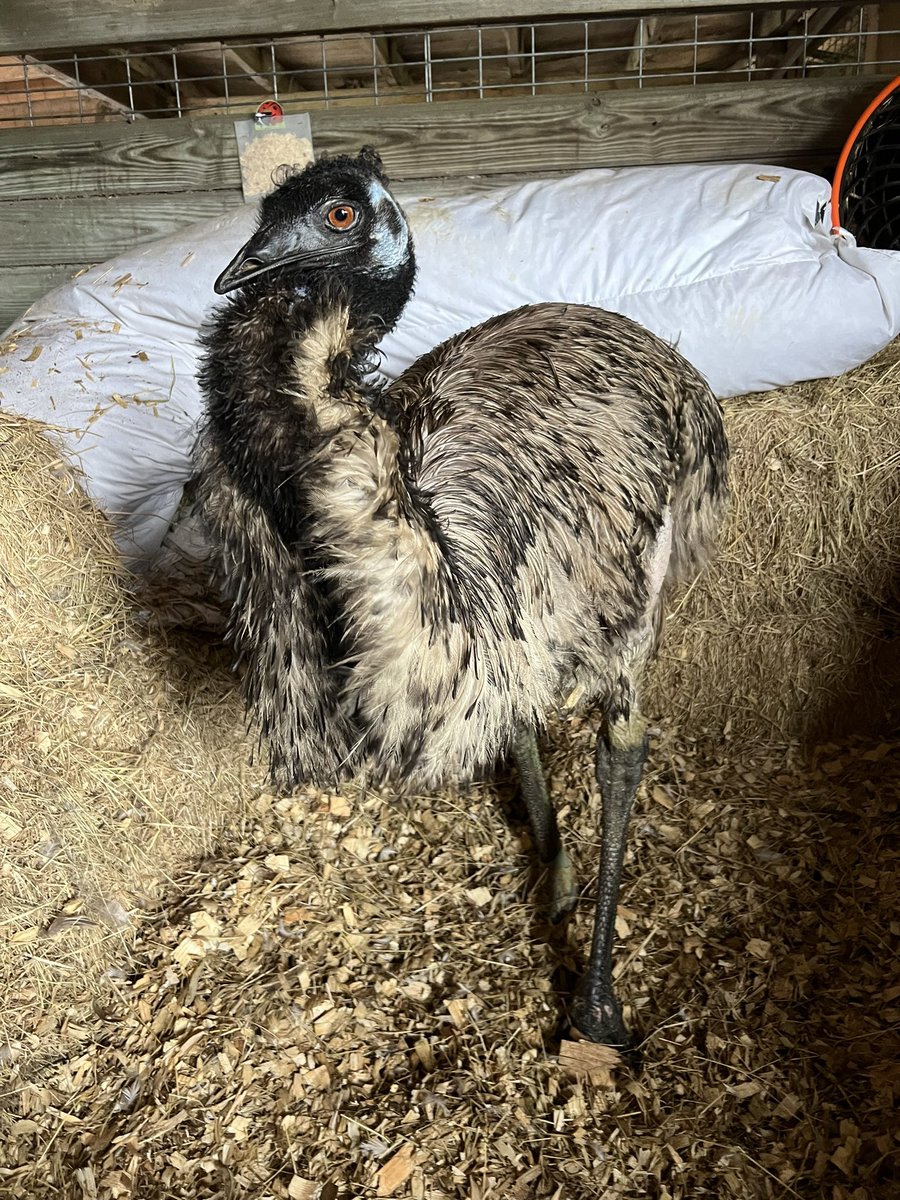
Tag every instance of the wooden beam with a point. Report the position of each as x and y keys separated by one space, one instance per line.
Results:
x=157 y=70
x=139 y=86
x=782 y=122
x=248 y=61
x=820 y=23
x=885 y=46
x=89 y=94
x=644 y=35
x=785 y=122
x=348 y=59
x=400 y=74
x=27 y=25
x=244 y=64
x=84 y=160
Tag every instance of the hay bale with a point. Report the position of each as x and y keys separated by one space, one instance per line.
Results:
x=120 y=756
x=793 y=631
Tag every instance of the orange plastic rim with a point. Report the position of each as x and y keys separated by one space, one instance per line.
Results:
x=845 y=153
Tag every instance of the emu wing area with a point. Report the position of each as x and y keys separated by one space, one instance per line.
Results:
x=553 y=440
x=554 y=456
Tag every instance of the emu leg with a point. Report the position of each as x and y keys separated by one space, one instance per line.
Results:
x=563 y=893
x=621 y=751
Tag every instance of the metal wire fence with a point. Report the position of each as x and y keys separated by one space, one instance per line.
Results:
x=446 y=63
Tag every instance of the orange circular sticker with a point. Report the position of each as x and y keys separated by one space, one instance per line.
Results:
x=269 y=112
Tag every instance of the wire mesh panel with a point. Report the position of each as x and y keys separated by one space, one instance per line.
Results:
x=446 y=63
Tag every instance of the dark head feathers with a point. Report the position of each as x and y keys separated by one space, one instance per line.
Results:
x=294 y=185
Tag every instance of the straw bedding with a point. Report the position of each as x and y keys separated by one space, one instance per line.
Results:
x=118 y=758
x=793 y=631
x=353 y=1001
x=214 y=992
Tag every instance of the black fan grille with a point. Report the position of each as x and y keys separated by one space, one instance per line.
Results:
x=870 y=192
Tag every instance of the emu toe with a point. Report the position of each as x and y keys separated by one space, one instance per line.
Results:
x=599 y=1019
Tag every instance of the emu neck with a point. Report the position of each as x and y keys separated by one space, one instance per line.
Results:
x=282 y=376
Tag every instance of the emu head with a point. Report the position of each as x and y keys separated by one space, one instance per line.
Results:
x=332 y=229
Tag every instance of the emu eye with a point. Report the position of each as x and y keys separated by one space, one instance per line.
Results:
x=342 y=216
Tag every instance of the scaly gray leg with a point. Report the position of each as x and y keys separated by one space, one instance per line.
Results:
x=621 y=751
x=563 y=893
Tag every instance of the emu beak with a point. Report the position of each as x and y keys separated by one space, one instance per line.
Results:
x=264 y=253
x=247 y=264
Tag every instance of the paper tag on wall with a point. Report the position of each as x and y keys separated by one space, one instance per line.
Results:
x=271 y=146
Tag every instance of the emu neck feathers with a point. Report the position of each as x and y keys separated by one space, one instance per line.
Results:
x=283 y=379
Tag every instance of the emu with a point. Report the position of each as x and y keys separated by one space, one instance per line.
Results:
x=419 y=574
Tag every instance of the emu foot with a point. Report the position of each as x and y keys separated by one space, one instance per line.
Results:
x=598 y=1018
x=561 y=894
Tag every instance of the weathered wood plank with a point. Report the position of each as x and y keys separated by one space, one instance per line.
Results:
x=26 y=25
x=78 y=230
x=788 y=123
x=150 y=156
x=779 y=123
x=21 y=286
x=106 y=227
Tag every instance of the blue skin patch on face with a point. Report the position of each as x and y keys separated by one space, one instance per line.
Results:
x=392 y=238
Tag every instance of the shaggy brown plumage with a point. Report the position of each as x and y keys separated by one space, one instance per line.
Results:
x=419 y=574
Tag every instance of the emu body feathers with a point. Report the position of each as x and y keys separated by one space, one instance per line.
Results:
x=493 y=542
